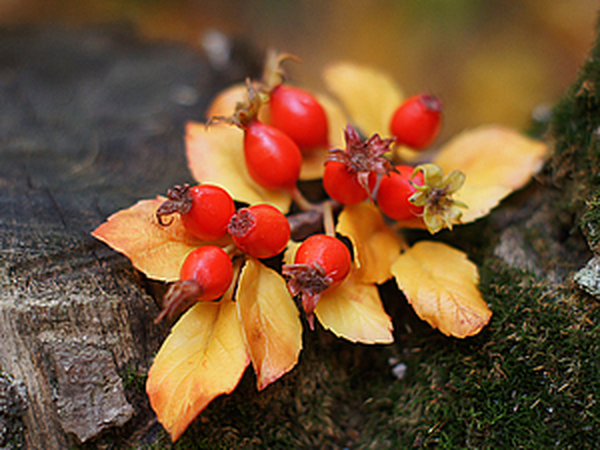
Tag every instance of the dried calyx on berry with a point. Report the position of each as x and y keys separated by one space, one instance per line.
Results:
x=440 y=210
x=245 y=112
x=308 y=280
x=178 y=298
x=179 y=201
x=363 y=157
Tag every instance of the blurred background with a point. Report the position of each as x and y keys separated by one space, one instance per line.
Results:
x=489 y=60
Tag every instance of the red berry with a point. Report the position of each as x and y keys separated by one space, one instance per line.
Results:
x=206 y=274
x=328 y=252
x=417 y=122
x=394 y=192
x=261 y=231
x=298 y=114
x=321 y=262
x=211 y=211
x=209 y=266
x=342 y=185
x=205 y=210
x=272 y=158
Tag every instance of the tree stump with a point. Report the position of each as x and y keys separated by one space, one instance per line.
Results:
x=90 y=122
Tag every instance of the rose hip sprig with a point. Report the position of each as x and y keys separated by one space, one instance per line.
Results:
x=272 y=158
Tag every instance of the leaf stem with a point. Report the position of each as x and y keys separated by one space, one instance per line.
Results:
x=301 y=200
x=328 y=223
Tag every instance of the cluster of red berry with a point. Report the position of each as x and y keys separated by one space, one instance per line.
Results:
x=273 y=155
x=208 y=212
x=351 y=175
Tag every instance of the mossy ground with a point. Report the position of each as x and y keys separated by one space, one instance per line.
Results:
x=531 y=379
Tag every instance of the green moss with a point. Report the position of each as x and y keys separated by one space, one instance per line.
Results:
x=574 y=167
x=529 y=380
x=134 y=380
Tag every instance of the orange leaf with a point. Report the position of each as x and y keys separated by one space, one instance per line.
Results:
x=270 y=322
x=376 y=245
x=495 y=160
x=353 y=311
x=203 y=357
x=153 y=249
x=370 y=97
x=441 y=284
x=216 y=154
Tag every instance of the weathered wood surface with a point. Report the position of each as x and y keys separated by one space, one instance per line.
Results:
x=90 y=122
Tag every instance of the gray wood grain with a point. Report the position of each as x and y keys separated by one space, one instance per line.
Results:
x=90 y=122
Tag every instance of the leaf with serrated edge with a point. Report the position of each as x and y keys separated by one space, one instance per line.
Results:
x=495 y=160
x=376 y=245
x=270 y=322
x=353 y=311
x=441 y=285
x=203 y=357
x=216 y=155
x=369 y=96
x=158 y=251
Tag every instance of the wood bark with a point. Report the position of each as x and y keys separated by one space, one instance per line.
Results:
x=90 y=122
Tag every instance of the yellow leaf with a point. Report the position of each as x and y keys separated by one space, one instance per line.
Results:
x=353 y=311
x=336 y=119
x=203 y=357
x=216 y=154
x=370 y=97
x=158 y=251
x=376 y=245
x=495 y=160
x=441 y=284
x=270 y=322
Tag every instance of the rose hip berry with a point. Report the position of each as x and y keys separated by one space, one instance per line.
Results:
x=272 y=158
x=394 y=193
x=205 y=210
x=205 y=275
x=261 y=231
x=351 y=173
x=417 y=122
x=321 y=262
x=342 y=185
x=299 y=115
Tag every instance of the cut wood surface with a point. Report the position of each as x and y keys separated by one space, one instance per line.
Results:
x=90 y=122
